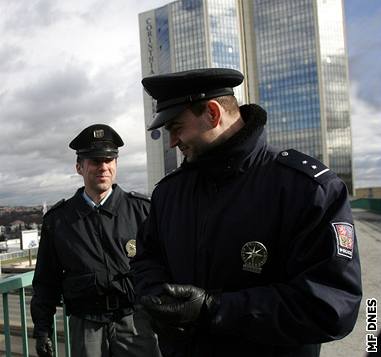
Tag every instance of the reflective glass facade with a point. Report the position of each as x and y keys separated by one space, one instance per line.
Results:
x=302 y=78
x=288 y=73
x=189 y=40
x=224 y=37
x=333 y=59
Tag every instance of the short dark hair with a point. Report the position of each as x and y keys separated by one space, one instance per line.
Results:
x=228 y=102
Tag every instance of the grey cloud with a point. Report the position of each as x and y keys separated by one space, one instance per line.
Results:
x=49 y=108
x=39 y=120
x=368 y=171
x=41 y=111
x=11 y=58
x=364 y=47
x=68 y=83
x=28 y=16
x=132 y=176
x=366 y=131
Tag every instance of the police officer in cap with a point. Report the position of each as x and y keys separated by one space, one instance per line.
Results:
x=248 y=250
x=85 y=249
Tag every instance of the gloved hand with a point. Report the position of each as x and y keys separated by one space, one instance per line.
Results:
x=181 y=305
x=44 y=346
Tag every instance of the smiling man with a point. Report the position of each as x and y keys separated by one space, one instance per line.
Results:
x=85 y=247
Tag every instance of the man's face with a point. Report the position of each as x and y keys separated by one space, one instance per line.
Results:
x=191 y=134
x=98 y=174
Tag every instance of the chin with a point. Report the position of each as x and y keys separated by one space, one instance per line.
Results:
x=103 y=187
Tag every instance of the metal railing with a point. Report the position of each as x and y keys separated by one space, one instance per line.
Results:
x=370 y=204
x=18 y=254
x=18 y=283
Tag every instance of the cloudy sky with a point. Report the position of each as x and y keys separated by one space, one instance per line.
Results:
x=67 y=64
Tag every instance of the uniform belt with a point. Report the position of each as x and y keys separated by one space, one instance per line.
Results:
x=103 y=303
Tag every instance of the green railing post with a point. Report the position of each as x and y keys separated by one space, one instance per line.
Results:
x=67 y=332
x=24 y=328
x=7 y=330
x=55 y=342
x=18 y=283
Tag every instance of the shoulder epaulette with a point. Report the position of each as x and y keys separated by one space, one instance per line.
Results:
x=170 y=175
x=306 y=164
x=55 y=206
x=135 y=194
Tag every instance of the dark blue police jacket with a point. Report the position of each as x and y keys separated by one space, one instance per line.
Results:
x=82 y=255
x=271 y=231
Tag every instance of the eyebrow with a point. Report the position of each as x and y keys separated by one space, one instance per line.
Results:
x=171 y=123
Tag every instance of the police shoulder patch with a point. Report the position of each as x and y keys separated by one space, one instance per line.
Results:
x=344 y=234
x=55 y=206
x=140 y=196
x=306 y=164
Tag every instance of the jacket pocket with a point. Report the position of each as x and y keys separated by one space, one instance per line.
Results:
x=80 y=286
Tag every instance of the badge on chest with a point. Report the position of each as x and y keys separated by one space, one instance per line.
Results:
x=131 y=248
x=254 y=255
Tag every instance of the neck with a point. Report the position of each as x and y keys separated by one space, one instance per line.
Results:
x=96 y=197
x=235 y=125
x=230 y=127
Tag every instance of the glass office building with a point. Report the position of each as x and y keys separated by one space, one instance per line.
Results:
x=294 y=59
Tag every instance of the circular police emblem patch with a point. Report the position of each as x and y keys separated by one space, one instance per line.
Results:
x=131 y=248
x=254 y=256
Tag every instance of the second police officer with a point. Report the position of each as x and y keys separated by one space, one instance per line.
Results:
x=85 y=247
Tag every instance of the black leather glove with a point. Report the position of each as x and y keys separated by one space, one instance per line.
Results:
x=180 y=305
x=44 y=346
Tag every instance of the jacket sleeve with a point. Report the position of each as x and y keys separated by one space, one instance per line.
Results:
x=46 y=285
x=319 y=299
x=148 y=266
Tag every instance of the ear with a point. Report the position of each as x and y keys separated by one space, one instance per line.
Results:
x=78 y=166
x=215 y=112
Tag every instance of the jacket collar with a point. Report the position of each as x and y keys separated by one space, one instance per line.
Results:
x=240 y=150
x=110 y=207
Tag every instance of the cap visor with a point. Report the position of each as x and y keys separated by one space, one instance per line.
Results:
x=98 y=154
x=166 y=115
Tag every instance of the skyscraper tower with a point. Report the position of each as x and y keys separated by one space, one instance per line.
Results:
x=292 y=54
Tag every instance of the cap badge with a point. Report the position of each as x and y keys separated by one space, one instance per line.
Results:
x=254 y=255
x=131 y=248
x=99 y=134
x=344 y=238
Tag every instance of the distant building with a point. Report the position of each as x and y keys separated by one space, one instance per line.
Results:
x=294 y=58
x=368 y=192
x=17 y=225
x=33 y=226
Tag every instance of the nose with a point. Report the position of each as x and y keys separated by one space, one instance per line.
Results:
x=173 y=139
x=102 y=165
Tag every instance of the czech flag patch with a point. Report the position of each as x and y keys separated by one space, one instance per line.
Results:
x=344 y=238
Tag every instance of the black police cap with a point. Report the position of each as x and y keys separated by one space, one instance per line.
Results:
x=98 y=140
x=175 y=91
